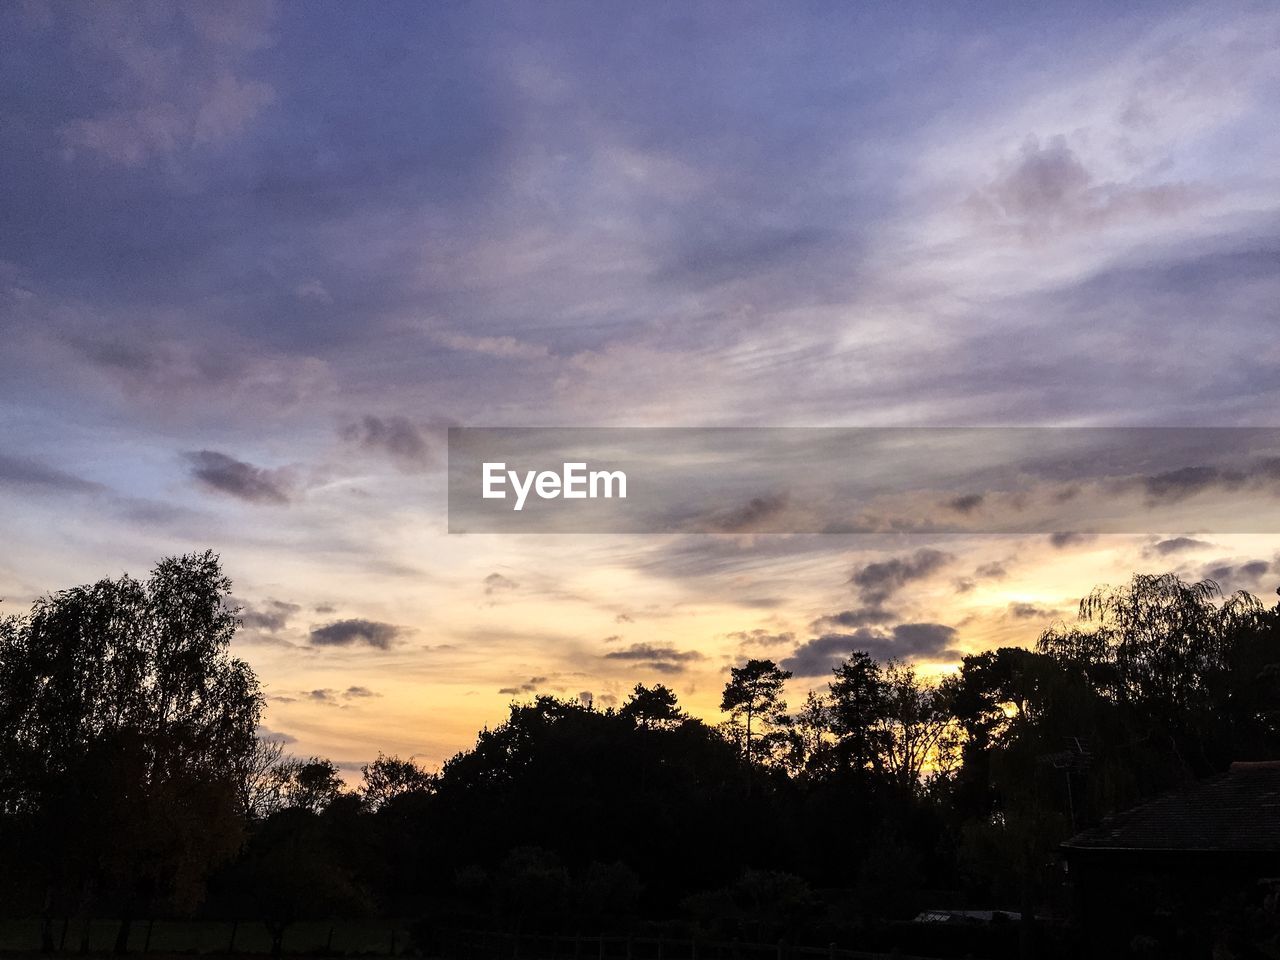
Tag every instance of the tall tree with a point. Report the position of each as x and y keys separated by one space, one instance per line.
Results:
x=811 y=734
x=858 y=708
x=652 y=707
x=753 y=697
x=390 y=777
x=312 y=784
x=125 y=729
x=888 y=720
x=1174 y=660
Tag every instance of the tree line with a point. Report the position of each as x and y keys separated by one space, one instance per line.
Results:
x=133 y=783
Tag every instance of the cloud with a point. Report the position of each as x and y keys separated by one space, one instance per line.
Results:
x=1177 y=545
x=266 y=733
x=851 y=313
x=995 y=570
x=967 y=503
x=924 y=638
x=504 y=347
x=497 y=583
x=1029 y=611
x=749 y=517
x=877 y=582
x=661 y=659
x=647 y=651
x=271 y=616
x=1042 y=184
x=349 y=633
x=761 y=638
x=338 y=698
x=1233 y=576
x=907 y=641
x=313 y=291
x=225 y=474
x=133 y=135
x=31 y=474
x=1062 y=539
x=1048 y=190
x=168 y=368
x=862 y=617
x=396 y=437
x=529 y=686
x=1177 y=485
x=174 y=80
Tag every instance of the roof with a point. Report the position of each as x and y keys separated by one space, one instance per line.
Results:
x=1236 y=812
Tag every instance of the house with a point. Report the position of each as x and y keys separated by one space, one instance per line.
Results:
x=1187 y=874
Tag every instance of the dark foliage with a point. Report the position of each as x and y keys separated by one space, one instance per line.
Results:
x=132 y=783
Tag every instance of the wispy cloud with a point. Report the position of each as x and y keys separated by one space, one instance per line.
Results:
x=905 y=641
x=355 y=633
x=662 y=659
x=32 y=474
x=225 y=474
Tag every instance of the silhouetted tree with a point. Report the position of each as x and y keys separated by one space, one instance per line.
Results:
x=575 y=782
x=811 y=735
x=261 y=779
x=858 y=710
x=130 y=773
x=390 y=777
x=1177 y=668
x=311 y=784
x=125 y=725
x=753 y=697
x=654 y=706
x=297 y=866
x=888 y=720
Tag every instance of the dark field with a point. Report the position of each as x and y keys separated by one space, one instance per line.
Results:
x=212 y=937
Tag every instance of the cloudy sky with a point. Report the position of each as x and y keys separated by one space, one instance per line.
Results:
x=255 y=259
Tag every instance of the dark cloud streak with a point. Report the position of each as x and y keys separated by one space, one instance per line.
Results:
x=355 y=632
x=225 y=474
x=877 y=582
x=906 y=641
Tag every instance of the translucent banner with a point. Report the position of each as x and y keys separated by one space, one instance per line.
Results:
x=863 y=480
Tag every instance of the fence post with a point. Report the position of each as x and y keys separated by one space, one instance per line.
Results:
x=831 y=951
x=600 y=939
x=659 y=946
x=146 y=941
x=782 y=950
x=577 y=945
x=231 y=943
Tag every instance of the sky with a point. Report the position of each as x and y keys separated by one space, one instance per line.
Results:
x=255 y=259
